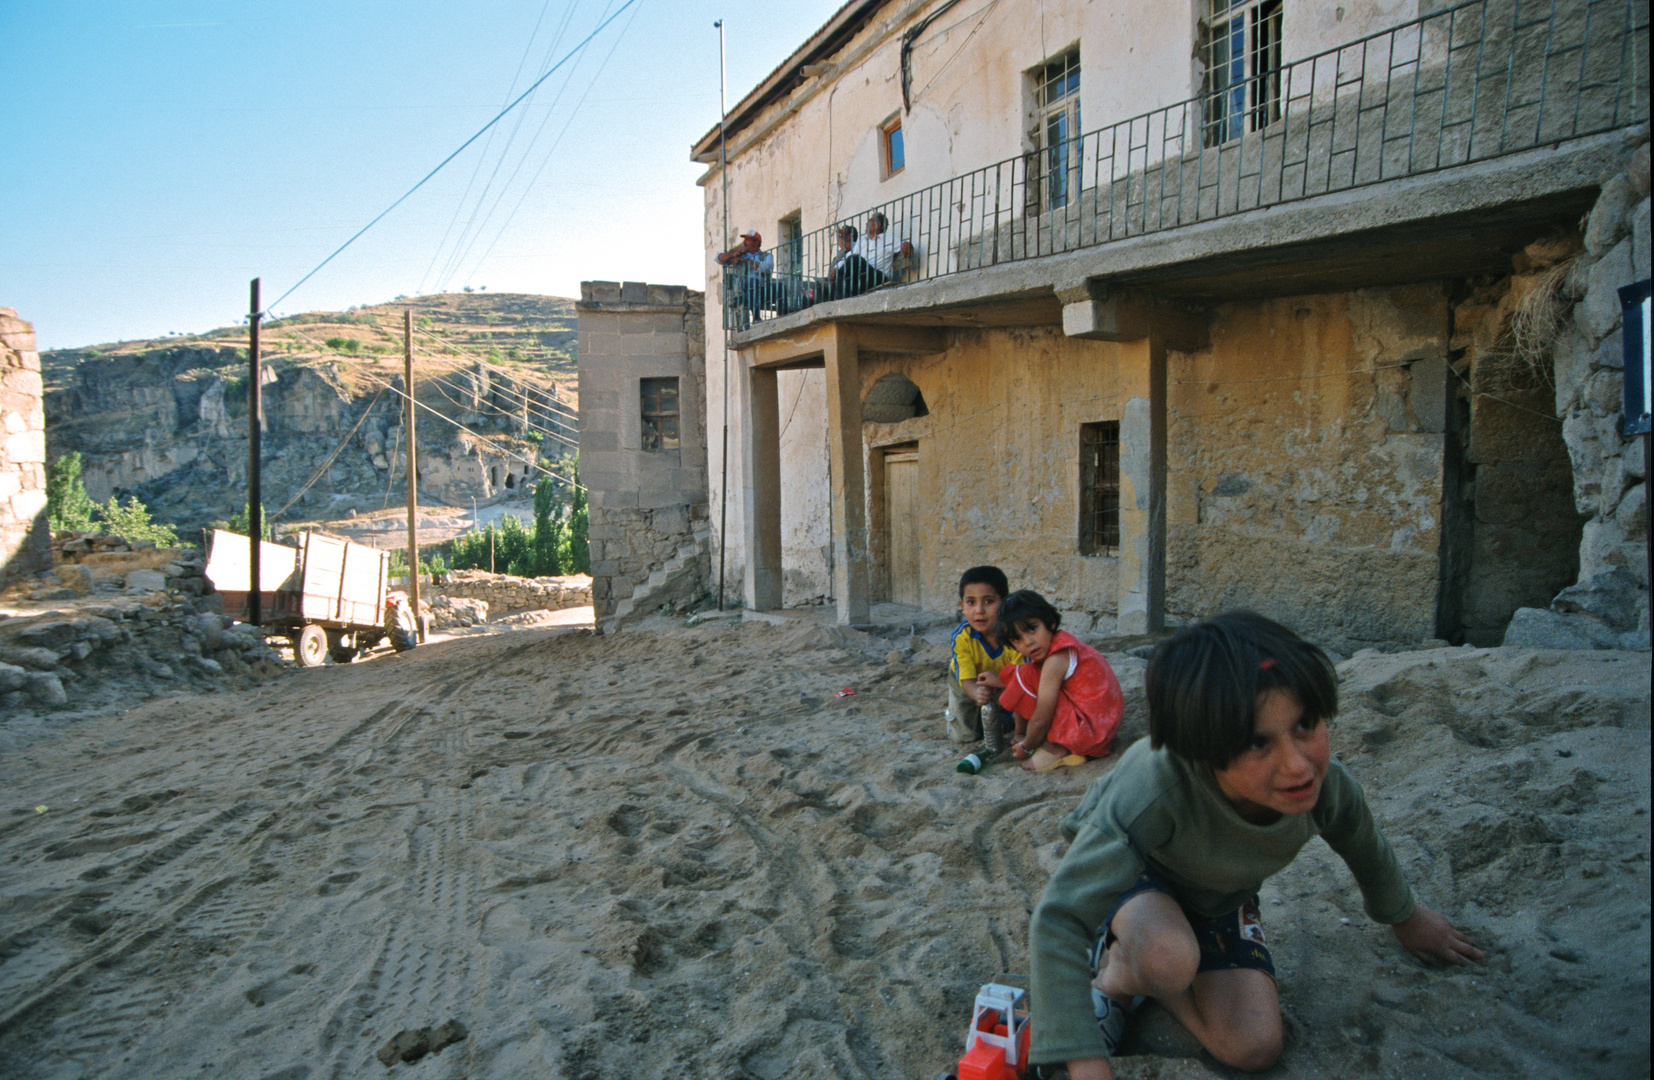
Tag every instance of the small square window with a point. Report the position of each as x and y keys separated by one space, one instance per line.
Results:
x=660 y=414
x=1099 y=489
x=890 y=139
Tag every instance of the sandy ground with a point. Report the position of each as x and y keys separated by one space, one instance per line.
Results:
x=677 y=853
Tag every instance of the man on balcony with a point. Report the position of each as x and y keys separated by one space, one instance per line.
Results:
x=746 y=278
x=872 y=259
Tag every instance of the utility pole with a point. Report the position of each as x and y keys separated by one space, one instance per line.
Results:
x=255 y=413
x=723 y=303
x=413 y=473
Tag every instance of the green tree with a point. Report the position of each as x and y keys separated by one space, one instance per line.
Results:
x=67 y=504
x=549 y=529
x=580 y=560
x=238 y=522
x=131 y=522
x=576 y=556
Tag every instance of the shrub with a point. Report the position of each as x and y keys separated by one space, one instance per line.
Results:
x=238 y=522
x=67 y=504
x=131 y=522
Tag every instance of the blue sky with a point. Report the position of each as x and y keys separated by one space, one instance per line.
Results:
x=162 y=153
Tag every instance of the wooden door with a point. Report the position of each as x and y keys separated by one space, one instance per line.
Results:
x=901 y=516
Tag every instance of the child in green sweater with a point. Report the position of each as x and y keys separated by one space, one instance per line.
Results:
x=1157 y=894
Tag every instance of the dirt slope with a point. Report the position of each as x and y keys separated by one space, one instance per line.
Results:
x=679 y=854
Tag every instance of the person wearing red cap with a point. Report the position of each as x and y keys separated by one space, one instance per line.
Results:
x=746 y=277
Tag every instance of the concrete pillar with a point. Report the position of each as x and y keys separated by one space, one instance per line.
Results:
x=1142 y=599
x=761 y=494
x=845 y=462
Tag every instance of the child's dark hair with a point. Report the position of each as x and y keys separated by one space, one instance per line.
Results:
x=984 y=575
x=1021 y=610
x=1203 y=684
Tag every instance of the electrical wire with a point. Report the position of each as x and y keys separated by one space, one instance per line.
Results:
x=458 y=255
x=498 y=116
x=485 y=365
x=476 y=169
x=479 y=436
x=504 y=451
x=455 y=256
x=506 y=225
x=330 y=458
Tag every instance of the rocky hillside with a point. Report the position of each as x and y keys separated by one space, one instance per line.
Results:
x=165 y=419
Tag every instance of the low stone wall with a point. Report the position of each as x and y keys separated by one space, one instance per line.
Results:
x=505 y=594
x=101 y=652
x=23 y=536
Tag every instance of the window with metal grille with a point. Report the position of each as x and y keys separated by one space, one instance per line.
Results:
x=1242 y=52
x=1056 y=162
x=660 y=414
x=1099 y=488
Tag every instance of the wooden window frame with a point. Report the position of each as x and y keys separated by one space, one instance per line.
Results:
x=660 y=425
x=891 y=128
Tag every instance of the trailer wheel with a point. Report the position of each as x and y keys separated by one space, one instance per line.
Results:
x=310 y=646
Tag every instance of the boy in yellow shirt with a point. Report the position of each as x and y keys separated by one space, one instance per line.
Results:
x=977 y=650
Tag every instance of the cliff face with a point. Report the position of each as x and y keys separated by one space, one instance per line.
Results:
x=169 y=426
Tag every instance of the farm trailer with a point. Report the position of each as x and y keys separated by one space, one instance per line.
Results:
x=326 y=595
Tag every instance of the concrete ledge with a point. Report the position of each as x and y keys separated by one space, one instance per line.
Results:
x=1474 y=194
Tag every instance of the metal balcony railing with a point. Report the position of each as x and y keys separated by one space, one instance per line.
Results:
x=1468 y=83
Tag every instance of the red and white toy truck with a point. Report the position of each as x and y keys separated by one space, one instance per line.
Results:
x=996 y=1046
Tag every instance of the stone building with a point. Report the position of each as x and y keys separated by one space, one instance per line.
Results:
x=643 y=445
x=1198 y=307
x=25 y=541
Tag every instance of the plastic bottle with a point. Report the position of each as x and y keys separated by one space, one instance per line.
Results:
x=993 y=737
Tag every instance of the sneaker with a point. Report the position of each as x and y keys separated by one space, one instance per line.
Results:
x=1112 y=1019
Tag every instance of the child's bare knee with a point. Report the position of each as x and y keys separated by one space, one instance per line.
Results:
x=1167 y=967
x=1253 y=1052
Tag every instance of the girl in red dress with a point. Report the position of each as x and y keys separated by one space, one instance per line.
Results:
x=1066 y=699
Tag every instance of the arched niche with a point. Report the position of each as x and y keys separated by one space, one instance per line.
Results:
x=892 y=399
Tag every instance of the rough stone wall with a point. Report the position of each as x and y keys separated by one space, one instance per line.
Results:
x=1304 y=464
x=1608 y=606
x=1511 y=533
x=644 y=505
x=505 y=594
x=25 y=543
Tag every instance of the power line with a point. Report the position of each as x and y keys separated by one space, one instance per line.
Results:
x=505 y=451
x=476 y=169
x=527 y=188
x=484 y=364
x=476 y=434
x=535 y=85
x=453 y=258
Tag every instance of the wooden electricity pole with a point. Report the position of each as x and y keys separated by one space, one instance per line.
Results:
x=255 y=508
x=413 y=473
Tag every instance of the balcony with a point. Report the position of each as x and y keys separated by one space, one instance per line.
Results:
x=1471 y=83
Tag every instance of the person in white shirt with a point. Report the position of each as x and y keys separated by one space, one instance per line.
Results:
x=872 y=259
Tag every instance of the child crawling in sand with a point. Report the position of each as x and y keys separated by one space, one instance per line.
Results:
x=1066 y=698
x=1157 y=894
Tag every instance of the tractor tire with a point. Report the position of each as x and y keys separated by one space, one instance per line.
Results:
x=401 y=629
